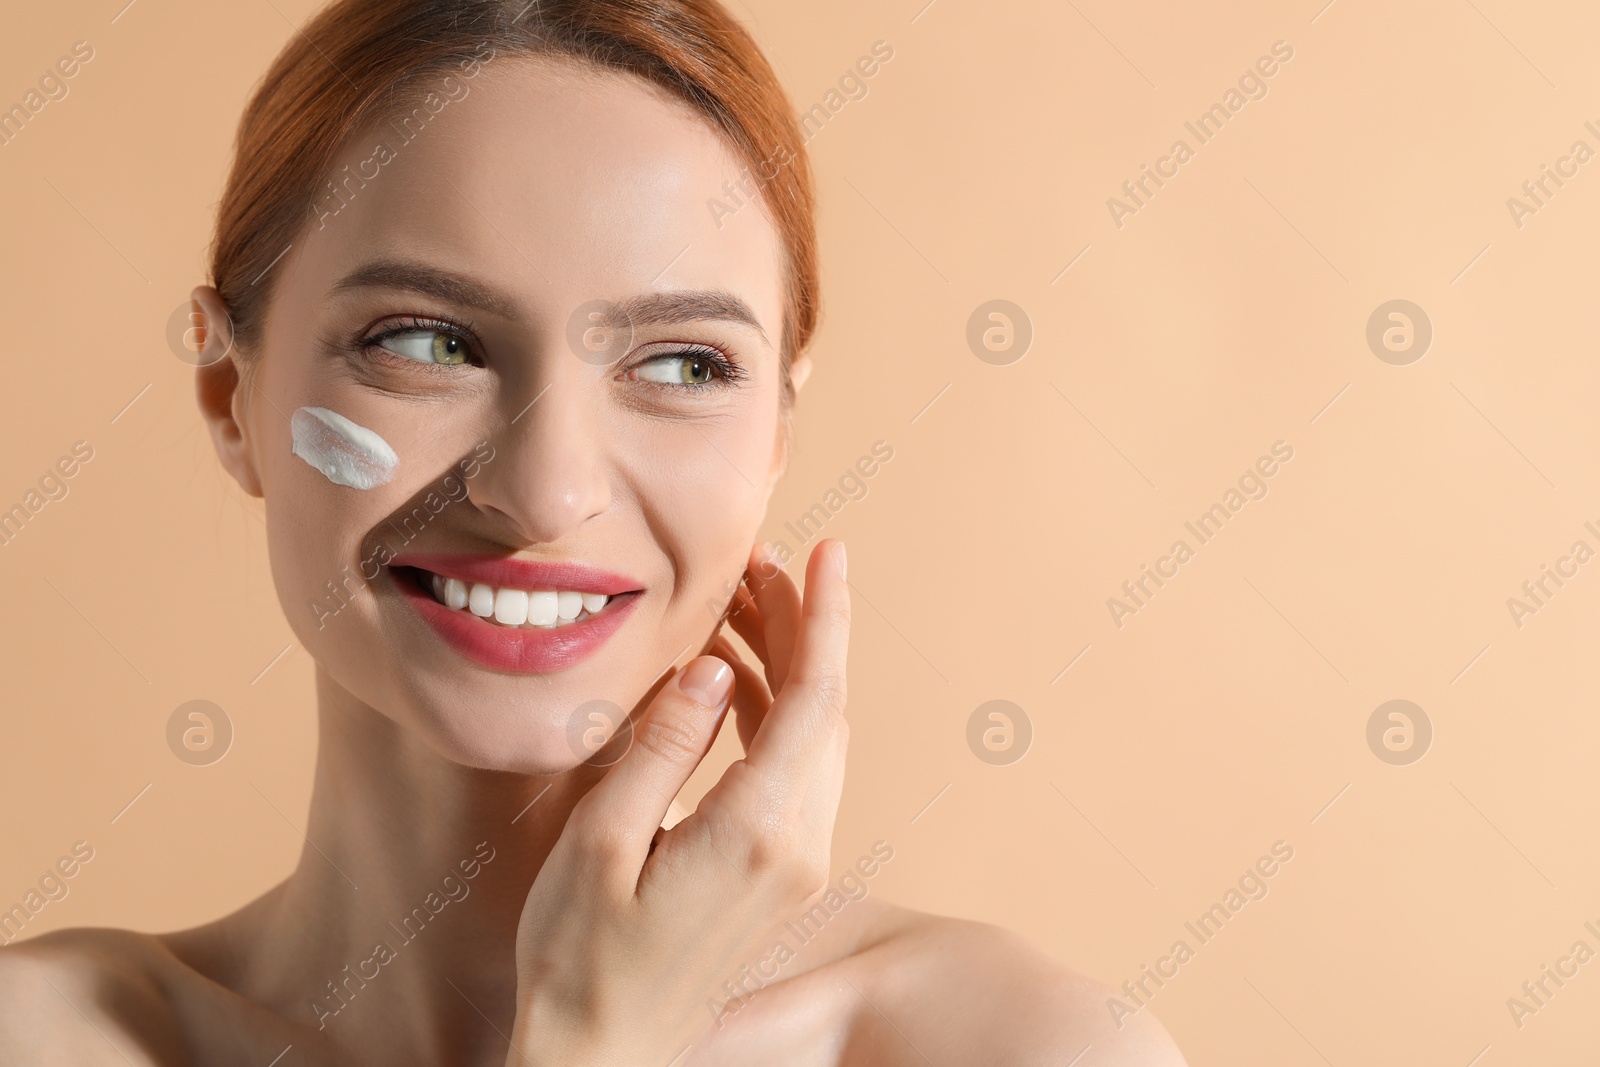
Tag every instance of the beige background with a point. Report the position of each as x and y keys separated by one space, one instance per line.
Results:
x=1226 y=315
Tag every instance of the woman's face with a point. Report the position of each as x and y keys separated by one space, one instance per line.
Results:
x=574 y=360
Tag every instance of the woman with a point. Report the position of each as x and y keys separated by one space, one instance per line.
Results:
x=510 y=305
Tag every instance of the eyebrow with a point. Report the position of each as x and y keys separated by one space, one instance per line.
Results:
x=674 y=308
x=430 y=281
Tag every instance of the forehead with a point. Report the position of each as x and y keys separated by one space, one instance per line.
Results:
x=556 y=183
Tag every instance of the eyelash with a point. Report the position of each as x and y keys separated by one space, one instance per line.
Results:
x=420 y=324
x=728 y=372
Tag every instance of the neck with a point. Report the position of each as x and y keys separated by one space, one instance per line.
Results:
x=412 y=881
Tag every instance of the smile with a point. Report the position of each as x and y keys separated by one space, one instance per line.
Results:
x=522 y=616
x=515 y=607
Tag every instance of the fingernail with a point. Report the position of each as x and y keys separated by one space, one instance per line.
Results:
x=707 y=680
x=844 y=563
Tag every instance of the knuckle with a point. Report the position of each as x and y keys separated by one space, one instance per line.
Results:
x=778 y=857
x=815 y=878
x=722 y=830
x=830 y=690
x=670 y=736
x=601 y=844
x=841 y=732
x=605 y=850
x=806 y=874
x=764 y=856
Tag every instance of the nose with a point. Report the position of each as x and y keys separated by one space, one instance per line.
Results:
x=548 y=475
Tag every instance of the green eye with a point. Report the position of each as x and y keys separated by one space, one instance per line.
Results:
x=428 y=346
x=683 y=369
x=695 y=371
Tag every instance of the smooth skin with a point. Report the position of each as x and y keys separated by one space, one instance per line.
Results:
x=591 y=936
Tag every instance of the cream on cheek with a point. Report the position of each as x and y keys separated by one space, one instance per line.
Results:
x=345 y=452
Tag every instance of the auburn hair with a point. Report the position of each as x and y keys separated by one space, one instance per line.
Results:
x=361 y=61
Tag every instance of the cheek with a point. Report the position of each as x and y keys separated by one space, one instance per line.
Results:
x=318 y=534
x=323 y=531
x=703 y=491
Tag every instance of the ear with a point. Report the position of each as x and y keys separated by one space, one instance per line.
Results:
x=220 y=387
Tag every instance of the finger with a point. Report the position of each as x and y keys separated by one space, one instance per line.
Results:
x=749 y=626
x=750 y=697
x=813 y=694
x=670 y=739
x=744 y=618
x=779 y=601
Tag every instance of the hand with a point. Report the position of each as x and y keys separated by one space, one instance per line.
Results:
x=621 y=945
x=769 y=628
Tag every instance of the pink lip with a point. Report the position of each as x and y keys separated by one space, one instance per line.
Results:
x=519 y=650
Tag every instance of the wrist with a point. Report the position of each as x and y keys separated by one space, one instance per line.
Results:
x=546 y=1036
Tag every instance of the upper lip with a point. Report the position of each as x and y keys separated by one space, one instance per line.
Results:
x=507 y=573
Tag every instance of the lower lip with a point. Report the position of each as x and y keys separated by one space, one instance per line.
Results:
x=518 y=650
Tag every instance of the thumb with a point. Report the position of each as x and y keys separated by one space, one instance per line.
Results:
x=670 y=740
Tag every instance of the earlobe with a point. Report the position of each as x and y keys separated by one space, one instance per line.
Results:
x=218 y=384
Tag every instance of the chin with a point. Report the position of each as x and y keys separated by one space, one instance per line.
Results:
x=528 y=735
x=528 y=696
x=538 y=755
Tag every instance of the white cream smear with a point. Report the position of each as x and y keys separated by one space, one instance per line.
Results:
x=346 y=453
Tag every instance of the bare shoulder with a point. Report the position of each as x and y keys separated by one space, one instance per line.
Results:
x=958 y=991
x=86 y=996
x=94 y=996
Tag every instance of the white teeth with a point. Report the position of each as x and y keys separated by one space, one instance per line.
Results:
x=511 y=607
x=516 y=607
x=542 y=609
